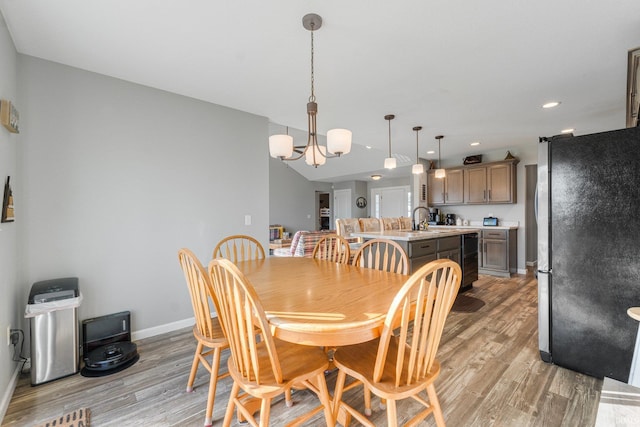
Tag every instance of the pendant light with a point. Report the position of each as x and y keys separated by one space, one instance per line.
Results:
x=338 y=140
x=418 y=168
x=439 y=172
x=389 y=162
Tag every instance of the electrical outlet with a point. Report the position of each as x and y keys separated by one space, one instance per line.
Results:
x=14 y=337
x=9 y=335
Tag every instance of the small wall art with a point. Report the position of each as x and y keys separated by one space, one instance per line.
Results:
x=9 y=116
x=7 y=203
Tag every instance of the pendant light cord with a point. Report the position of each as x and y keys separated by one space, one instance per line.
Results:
x=389 y=120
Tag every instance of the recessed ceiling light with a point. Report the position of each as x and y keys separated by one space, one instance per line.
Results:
x=473 y=144
x=551 y=104
x=368 y=147
x=431 y=152
x=376 y=177
x=567 y=130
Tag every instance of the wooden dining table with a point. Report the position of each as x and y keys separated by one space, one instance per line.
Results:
x=323 y=303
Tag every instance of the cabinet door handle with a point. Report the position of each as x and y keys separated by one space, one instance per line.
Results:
x=484 y=194
x=489 y=194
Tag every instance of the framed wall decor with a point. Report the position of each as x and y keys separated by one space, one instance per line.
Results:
x=7 y=203
x=9 y=116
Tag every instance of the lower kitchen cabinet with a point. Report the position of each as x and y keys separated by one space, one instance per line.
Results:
x=498 y=252
x=449 y=248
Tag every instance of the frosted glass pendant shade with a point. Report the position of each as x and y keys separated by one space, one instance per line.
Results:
x=281 y=146
x=390 y=163
x=320 y=152
x=439 y=173
x=339 y=141
x=417 y=169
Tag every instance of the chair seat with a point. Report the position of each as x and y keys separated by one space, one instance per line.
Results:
x=217 y=338
x=358 y=361
x=297 y=362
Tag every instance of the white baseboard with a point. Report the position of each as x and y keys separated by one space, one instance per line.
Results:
x=6 y=398
x=161 y=329
x=136 y=335
x=522 y=271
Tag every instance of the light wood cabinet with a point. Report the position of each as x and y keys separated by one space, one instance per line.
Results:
x=492 y=183
x=475 y=180
x=448 y=190
x=498 y=252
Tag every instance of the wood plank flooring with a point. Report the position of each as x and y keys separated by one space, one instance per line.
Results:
x=491 y=375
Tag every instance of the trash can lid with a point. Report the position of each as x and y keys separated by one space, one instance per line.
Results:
x=53 y=290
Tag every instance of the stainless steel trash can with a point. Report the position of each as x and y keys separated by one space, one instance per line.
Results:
x=53 y=311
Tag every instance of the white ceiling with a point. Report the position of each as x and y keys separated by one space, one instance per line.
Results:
x=472 y=71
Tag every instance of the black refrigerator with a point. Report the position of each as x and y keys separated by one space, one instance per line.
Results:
x=588 y=208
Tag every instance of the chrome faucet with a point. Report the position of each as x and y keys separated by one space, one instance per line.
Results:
x=413 y=216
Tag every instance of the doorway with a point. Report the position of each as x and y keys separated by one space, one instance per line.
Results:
x=389 y=202
x=324 y=211
x=342 y=203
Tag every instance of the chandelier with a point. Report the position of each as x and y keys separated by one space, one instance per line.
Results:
x=338 y=140
x=418 y=168
x=389 y=162
x=440 y=173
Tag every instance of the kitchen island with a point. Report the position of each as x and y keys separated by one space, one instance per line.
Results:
x=423 y=246
x=498 y=247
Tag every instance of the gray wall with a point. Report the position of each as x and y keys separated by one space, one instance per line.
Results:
x=11 y=297
x=292 y=198
x=117 y=177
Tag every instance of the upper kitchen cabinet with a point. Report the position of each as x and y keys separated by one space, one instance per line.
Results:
x=488 y=183
x=446 y=191
x=491 y=183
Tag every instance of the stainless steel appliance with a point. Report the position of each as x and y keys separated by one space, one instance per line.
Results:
x=450 y=219
x=588 y=259
x=469 y=263
x=54 y=329
x=434 y=216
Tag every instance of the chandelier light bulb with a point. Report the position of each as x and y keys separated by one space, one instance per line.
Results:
x=339 y=141
x=281 y=146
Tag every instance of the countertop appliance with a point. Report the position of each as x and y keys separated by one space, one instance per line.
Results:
x=450 y=219
x=469 y=263
x=588 y=260
x=489 y=221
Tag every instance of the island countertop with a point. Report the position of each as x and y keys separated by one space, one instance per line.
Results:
x=410 y=236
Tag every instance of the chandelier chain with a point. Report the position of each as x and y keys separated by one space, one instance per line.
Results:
x=312 y=98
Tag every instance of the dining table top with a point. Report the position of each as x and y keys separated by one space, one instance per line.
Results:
x=316 y=302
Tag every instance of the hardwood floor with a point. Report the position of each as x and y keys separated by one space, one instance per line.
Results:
x=491 y=375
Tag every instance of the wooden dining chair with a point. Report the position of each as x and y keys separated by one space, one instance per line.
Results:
x=398 y=366
x=382 y=254
x=263 y=368
x=238 y=247
x=207 y=330
x=333 y=248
